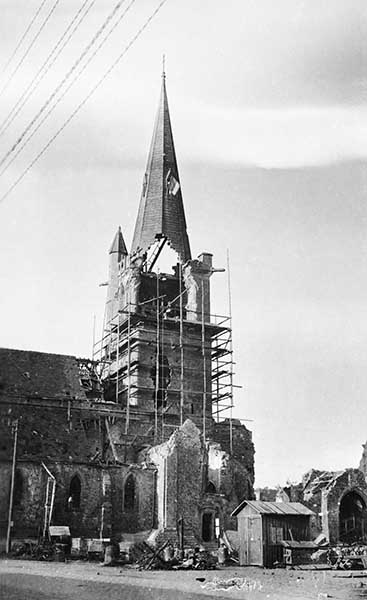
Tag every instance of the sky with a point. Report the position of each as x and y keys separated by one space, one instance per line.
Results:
x=269 y=115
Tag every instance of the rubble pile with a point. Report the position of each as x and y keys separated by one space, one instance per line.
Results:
x=237 y=583
x=43 y=550
x=347 y=557
x=167 y=557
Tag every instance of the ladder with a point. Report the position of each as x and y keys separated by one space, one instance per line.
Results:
x=49 y=500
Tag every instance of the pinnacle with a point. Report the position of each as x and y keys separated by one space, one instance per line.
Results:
x=118 y=245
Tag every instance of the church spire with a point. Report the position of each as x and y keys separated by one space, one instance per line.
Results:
x=161 y=212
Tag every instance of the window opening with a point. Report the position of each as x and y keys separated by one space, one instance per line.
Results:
x=207 y=527
x=75 y=489
x=210 y=488
x=129 y=493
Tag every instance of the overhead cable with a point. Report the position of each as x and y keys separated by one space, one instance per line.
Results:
x=48 y=63
x=67 y=76
x=24 y=35
x=44 y=23
x=86 y=98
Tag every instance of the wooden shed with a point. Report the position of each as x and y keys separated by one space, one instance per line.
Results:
x=262 y=527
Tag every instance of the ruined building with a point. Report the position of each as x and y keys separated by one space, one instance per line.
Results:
x=140 y=438
x=337 y=498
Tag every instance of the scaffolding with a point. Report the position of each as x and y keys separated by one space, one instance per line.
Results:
x=119 y=363
x=134 y=326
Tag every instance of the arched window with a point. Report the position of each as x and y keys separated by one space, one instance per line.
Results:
x=18 y=487
x=75 y=490
x=210 y=488
x=352 y=517
x=129 y=493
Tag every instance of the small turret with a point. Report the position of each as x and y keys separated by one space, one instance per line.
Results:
x=118 y=255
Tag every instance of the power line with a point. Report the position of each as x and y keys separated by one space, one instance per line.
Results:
x=64 y=80
x=24 y=35
x=52 y=108
x=87 y=97
x=44 y=69
x=29 y=47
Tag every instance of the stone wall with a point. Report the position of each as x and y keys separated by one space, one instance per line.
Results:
x=193 y=479
x=179 y=464
x=28 y=513
x=350 y=480
x=242 y=445
x=102 y=491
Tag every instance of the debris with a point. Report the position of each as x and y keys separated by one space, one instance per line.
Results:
x=347 y=557
x=111 y=555
x=152 y=559
x=238 y=583
x=321 y=540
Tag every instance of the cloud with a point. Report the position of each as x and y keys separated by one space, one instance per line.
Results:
x=277 y=138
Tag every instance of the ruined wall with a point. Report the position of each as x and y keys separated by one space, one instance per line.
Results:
x=140 y=517
x=243 y=449
x=363 y=462
x=101 y=488
x=29 y=511
x=179 y=464
x=349 y=480
x=193 y=479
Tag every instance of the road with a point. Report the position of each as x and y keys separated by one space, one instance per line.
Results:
x=80 y=580
x=40 y=587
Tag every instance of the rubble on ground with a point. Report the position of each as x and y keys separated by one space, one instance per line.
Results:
x=238 y=583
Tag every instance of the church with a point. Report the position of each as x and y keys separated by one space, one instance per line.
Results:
x=138 y=440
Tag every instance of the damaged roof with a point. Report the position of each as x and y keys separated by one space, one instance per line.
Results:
x=39 y=374
x=274 y=508
x=325 y=480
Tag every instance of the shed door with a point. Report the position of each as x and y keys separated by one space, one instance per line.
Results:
x=255 y=541
x=250 y=529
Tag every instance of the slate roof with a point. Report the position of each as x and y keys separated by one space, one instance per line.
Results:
x=38 y=374
x=161 y=214
x=274 y=508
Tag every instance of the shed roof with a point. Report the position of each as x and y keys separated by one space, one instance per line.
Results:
x=274 y=508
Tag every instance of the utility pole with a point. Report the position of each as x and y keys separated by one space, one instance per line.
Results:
x=11 y=498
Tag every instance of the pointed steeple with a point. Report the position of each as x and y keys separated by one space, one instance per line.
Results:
x=161 y=212
x=118 y=245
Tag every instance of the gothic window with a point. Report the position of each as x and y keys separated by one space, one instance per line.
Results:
x=210 y=488
x=75 y=489
x=129 y=493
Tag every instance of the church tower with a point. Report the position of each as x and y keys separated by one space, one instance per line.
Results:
x=165 y=358
x=167 y=366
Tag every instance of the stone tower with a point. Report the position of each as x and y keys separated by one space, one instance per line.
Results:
x=159 y=335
